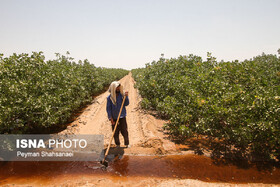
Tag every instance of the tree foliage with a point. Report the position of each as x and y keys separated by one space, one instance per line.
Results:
x=238 y=102
x=36 y=94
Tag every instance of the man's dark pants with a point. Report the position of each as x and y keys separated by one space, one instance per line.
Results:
x=122 y=127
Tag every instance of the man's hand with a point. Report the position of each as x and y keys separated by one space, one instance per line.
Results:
x=112 y=121
x=126 y=93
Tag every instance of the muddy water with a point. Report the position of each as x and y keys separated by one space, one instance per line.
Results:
x=129 y=167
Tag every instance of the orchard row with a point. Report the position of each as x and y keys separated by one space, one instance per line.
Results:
x=235 y=102
x=37 y=95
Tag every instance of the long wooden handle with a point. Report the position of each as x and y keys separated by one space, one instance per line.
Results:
x=116 y=124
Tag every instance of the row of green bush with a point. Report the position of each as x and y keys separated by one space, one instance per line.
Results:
x=238 y=102
x=36 y=94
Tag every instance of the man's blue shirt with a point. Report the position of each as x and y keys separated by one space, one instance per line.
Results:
x=113 y=110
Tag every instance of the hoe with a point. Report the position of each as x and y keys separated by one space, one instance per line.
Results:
x=104 y=161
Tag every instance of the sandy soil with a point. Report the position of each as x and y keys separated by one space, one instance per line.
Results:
x=149 y=182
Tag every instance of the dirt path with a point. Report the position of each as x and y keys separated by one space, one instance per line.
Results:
x=145 y=131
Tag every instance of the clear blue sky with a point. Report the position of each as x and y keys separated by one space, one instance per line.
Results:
x=130 y=33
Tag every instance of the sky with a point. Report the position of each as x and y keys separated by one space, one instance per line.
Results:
x=130 y=33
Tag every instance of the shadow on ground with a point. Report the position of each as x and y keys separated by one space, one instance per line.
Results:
x=114 y=153
x=223 y=154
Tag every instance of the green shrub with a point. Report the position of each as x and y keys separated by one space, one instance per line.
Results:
x=237 y=102
x=38 y=94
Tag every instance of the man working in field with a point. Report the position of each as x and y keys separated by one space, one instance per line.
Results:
x=114 y=102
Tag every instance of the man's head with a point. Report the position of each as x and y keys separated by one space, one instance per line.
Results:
x=114 y=89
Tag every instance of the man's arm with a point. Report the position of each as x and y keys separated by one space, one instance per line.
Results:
x=109 y=108
x=126 y=102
